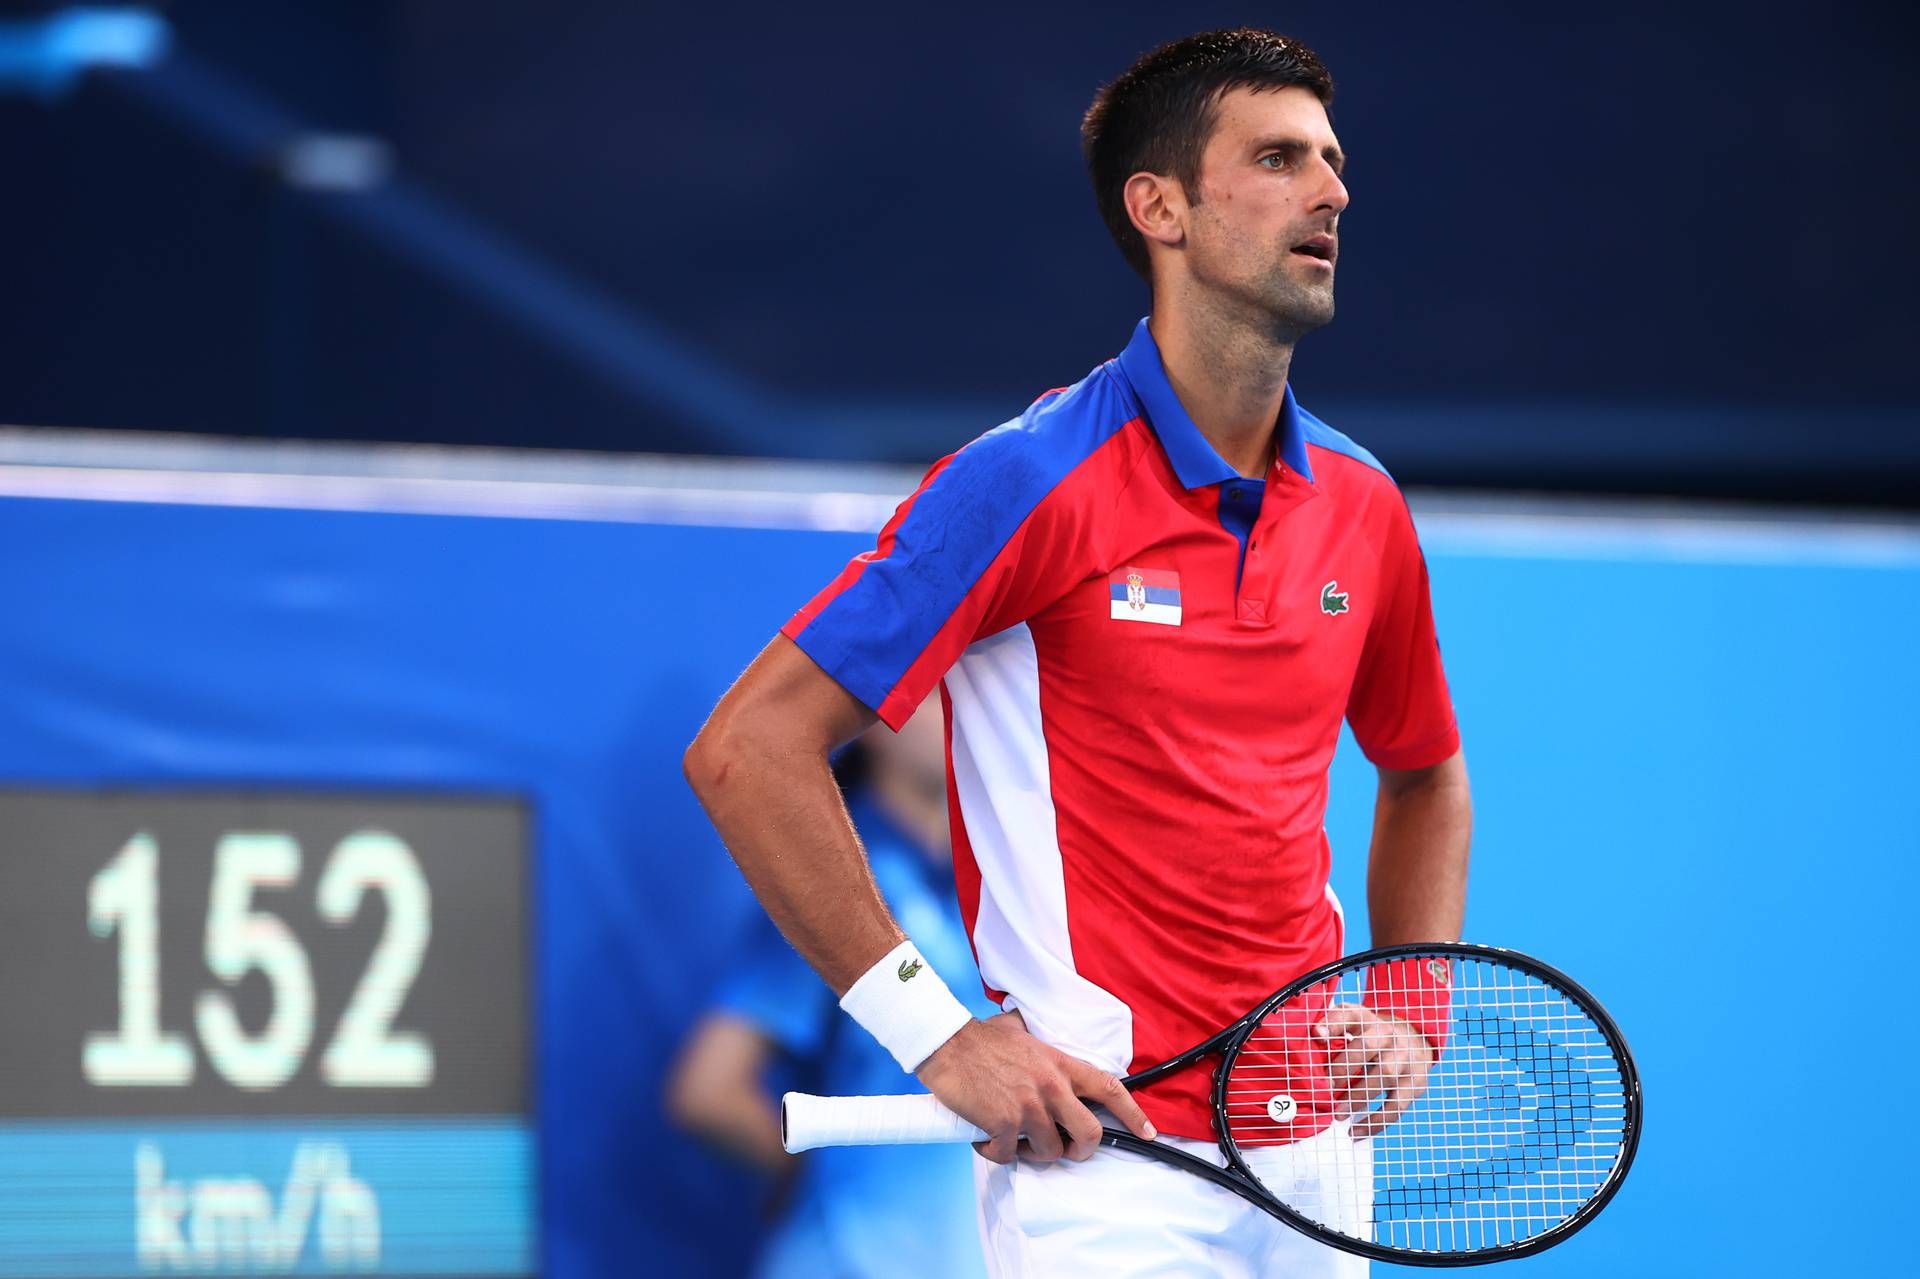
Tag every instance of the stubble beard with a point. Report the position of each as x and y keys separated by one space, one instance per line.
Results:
x=1276 y=299
x=1292 y=307
x=1254 y=284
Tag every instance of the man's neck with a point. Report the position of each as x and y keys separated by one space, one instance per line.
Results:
x=1230 y=378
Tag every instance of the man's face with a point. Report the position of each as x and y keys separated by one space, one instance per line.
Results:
x=1264 y=230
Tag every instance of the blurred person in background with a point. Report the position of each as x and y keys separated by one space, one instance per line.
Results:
x=855 y=1211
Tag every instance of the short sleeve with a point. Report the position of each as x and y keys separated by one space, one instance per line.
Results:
x=1399 y=709
x=772 y=988
x=994 y=533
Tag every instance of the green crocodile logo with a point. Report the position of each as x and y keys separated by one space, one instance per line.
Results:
x=909 y=968
x=1332 y=602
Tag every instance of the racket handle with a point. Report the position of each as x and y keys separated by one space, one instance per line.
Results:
x=807 y=1122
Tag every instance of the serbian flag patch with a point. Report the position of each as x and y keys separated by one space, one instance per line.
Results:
x=1145 y=595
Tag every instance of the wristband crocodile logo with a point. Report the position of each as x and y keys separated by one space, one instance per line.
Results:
x=909 y=968
x=1332 y=602
x=1437 y=969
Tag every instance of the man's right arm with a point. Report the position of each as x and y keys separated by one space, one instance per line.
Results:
x=760 y=768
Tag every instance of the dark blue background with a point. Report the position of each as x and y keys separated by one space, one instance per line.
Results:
x=1625 y=247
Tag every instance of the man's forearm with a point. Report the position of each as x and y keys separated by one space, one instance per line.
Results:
x=1417 y=870
x=780 y=814
x=759 y=767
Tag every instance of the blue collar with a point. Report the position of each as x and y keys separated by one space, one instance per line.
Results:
x=1195 y=461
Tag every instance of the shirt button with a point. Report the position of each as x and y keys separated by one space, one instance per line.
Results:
x=1233 y=495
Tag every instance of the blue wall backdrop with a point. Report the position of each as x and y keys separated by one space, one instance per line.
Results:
x=1690 y=744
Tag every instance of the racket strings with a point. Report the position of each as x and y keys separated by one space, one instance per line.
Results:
x=1521 y=1124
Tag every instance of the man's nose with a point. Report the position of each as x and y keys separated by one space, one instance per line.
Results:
x=1333 y=195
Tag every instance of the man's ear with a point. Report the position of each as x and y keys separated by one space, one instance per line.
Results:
x=1157 y=206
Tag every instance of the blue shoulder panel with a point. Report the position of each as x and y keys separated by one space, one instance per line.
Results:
x=869 y=634
x=1318 y=432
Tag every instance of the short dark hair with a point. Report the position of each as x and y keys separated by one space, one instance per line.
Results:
x=1157 y=117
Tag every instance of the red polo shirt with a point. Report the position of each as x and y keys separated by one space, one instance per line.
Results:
x=1145 y=660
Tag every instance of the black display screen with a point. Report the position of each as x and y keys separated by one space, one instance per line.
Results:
x=305 y=994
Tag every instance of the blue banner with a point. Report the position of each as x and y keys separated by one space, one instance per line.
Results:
x=1690 y=743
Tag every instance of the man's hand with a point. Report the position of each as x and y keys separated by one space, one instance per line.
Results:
x=997 y=1076
x=1371 y=1052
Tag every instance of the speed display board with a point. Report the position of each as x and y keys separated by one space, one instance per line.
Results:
x=264 y=1033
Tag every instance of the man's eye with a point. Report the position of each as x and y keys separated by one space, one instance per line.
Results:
x=1275 y=161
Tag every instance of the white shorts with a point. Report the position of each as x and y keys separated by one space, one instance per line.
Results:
x=1120 y=1214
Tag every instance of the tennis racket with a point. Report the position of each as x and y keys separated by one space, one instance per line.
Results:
x=1526 y=1128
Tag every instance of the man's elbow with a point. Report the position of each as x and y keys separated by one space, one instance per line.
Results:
x=703 y=765
x=1448 y=778
x=714 y=756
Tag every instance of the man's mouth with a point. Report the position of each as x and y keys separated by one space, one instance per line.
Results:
x=1321 y=248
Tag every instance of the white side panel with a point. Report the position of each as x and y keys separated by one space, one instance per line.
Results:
x=1004 y=787
x=1339 y=913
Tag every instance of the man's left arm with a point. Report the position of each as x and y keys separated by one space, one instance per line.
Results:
x=1403 y=719
x=1416 y=892
x=1417 y=869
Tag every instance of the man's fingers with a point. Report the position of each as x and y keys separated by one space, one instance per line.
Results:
x=1043 y=1139
x=1408 y=1068
x=1355 y=1069
x=1354 y=1053
x=1406 y=1088
x=1081 y=1125
x=1000 y=1150
x=1344 y=1019
x=1369 y=1052
x=1079 y=1129
x=1029 y=1096
x=1382 y=1119
x=1102 y=1089
x=1359 y=1087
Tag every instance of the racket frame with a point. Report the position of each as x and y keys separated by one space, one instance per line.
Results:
x=1240 y=1179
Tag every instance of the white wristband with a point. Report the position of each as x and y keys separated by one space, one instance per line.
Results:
x=903 y=1003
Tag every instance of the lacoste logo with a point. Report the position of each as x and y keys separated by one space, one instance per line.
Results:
x=909 y=968
x=1332 y=602
x=1437 y=969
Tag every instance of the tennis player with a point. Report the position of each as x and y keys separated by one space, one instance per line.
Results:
x=1148 y=603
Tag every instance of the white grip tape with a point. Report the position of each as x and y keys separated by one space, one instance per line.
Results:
x=807 y=1122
